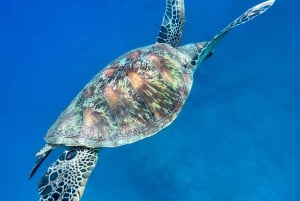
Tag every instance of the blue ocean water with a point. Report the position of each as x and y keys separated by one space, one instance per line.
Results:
x=237 y=138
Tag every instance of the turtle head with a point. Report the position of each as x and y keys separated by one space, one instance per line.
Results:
x=191 y=51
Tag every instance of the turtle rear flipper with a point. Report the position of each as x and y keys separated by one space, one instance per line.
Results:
x=172 y=24
x=66 y=178
x=245 y=17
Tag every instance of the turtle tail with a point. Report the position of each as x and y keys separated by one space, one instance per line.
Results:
x=66 y=178
x=41 y=157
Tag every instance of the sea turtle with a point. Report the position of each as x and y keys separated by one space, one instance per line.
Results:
x=134 y=97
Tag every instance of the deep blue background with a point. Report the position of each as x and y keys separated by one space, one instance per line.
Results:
x=237 y=138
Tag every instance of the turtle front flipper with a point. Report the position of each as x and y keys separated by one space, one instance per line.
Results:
x=172 y=24
x=250 y=14
x=66 y=178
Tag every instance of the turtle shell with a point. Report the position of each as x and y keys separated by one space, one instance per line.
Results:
x=134 y=97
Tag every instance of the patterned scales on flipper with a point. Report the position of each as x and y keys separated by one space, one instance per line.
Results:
x=172 y=24
x=245 y=17
x=66 y=178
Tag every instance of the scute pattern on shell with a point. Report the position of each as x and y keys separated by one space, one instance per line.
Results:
x=134 y=97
